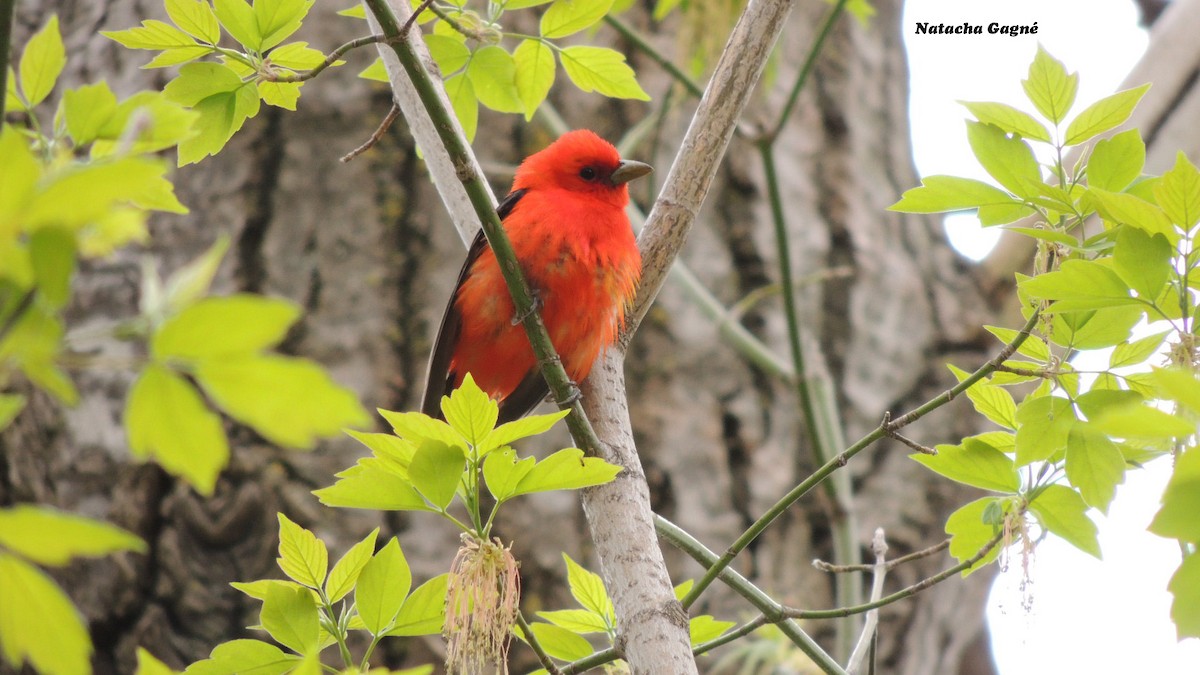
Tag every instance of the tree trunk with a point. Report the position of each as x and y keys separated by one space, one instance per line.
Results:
x=366 y=249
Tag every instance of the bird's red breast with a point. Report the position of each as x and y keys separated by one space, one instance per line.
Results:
x=566 y=219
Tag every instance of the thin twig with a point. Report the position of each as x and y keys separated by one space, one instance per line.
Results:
x=842 y=459
x=880 y=547
x=536 y=646
x=272 y=76
x=739 y=632
x=375 y=137
x=895 y=435
x=901 y=594
x=891 y=564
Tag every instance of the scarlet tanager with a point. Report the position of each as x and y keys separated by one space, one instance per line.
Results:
x=566 y=218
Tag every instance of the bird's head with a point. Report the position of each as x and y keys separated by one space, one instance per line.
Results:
x=580 y=161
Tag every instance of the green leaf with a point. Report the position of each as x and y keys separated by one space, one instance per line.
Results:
x=367 y=486
x=994 y=403
x=601 y=70
x=1049 y=87
x=1009 y=119
x=450 y=54
x=166 y=418
x=1103 y=115
x=10 y=406
x=52 y=253
x=503 y=472
x=298 y=56
x=1139 y=421
x=938 y=194
x=417 y=426
x=423 y=612
x=470 y=411
x=580 y=621
x=49 y=537
x=153 y=35
x=1117 y=161
x=1143 y=261
x=177 y=55
x=1180 y=385
x=534 y=75
x=1034 y=347
x=192 y=281
x=1127 y=209
x=397 y=451
x=376 y=72
x=240 y=22
x=1079 y=280
x=525 y=427
x=19 y=172
x=1009 y=160
x=278 y=19
x=382 y=587
x=567 y=17
x=280 y=94
x=224 y=103
x=704 y=628
x=566 y=469
x=560 y=643
x=588 y=590
x=196 y=17
x=1044 y=424
x=1094 y=466
x=1185 y=586
x=258 y=589
x=33 y=345
x=1136 y=352
x=42 y=62
x=493 y=75
x=249 y=657
x=969 y=533
x=1063 y=512
x=38 y=623
x=1181 y=501
x=152 y=121
x=436 y=470
x=1095 y=329
x=522 y=4
x=466 y=106
x=87 y=110
x=1178 y=193
x=292 y=402
x=973 y=463
x=290 y=616
x=147 y=664
x=215 y=328
x=302 y=556
x=345 y=573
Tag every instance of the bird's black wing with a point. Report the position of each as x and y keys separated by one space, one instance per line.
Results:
x=440 y=379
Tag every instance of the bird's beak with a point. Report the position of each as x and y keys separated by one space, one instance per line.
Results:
x=627 y=170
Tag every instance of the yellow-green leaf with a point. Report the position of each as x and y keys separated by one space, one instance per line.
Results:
x=535 y=74
x=42 y=62
x=228 y=326
x=601 y=70
x=345 y=572
x=195 y=17
x=470 y=411
x=290 y=401
x=51 y=537
x=493 y=76
x=38 y=623
x=302 y=556
x=567 y=17
x=1107 y=113
x=382 y=587
x=166 y=419
x=1063 y=512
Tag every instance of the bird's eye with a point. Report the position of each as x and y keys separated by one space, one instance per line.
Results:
x=588 y=173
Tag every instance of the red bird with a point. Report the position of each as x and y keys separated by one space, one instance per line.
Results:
x=566 y=219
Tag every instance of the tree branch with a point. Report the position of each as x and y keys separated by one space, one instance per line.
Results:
x=839 y=461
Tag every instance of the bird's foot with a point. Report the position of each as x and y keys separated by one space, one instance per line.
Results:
x=573 y=396
x=535 y=306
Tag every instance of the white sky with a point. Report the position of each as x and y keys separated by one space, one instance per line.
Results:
x=1087 y=616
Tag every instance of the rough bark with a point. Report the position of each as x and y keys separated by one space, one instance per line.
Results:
x=365 y=247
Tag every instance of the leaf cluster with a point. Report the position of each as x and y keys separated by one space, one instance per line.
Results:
x=430 y=465
x=468 y=47
x=1066 y=445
